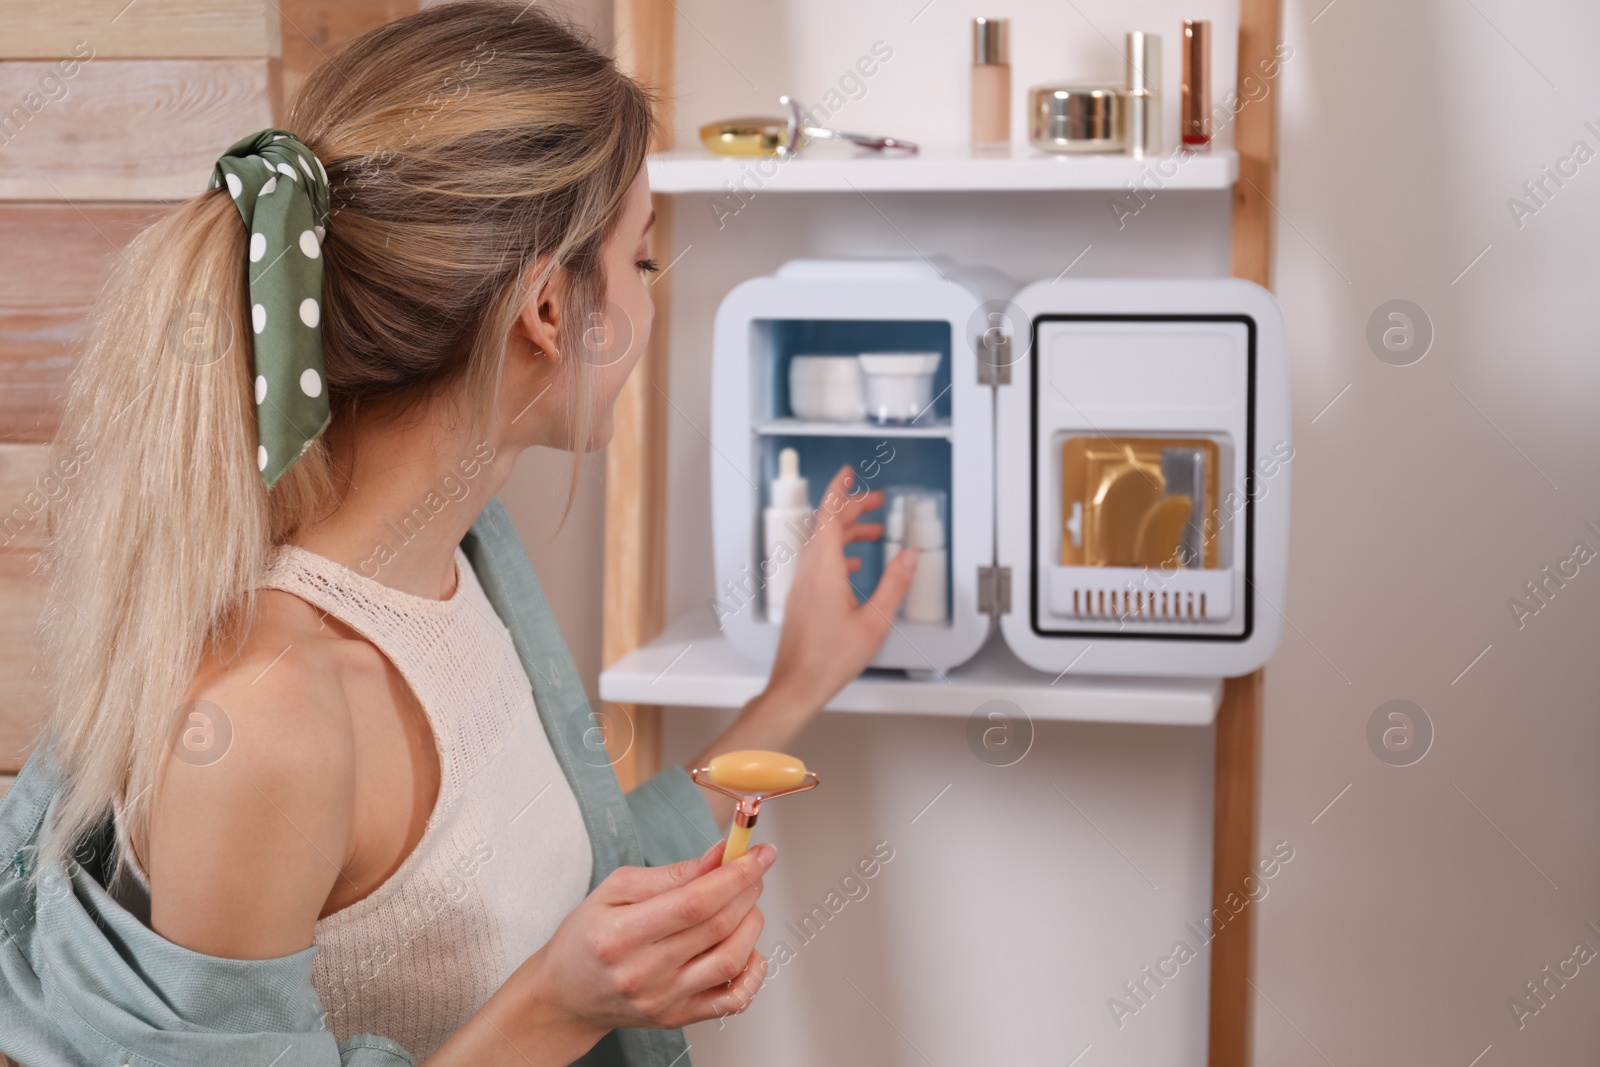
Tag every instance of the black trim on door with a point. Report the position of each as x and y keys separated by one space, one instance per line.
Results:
x=1249 y=479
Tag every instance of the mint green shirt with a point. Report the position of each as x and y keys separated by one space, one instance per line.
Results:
x=84 y=982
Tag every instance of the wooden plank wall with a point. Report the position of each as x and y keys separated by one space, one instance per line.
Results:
x=57 y=255
x=109 y=112
x=114 y=133
x=314 y=30
x=150 y=29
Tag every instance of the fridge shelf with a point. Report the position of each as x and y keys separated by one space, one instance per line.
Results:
x=692 y=665
x=803 y=428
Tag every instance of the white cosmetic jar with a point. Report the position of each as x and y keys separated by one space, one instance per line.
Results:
x=900 y=385
x=826 y=389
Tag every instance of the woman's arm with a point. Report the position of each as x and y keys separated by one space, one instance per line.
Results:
x=828 y=639
x=246 y=850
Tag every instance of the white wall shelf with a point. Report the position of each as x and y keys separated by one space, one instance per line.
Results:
x=803 y=428
x=938 y=169
x=692 y=665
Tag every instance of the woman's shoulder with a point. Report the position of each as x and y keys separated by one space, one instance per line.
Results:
x=251 y=822
x=280 y=691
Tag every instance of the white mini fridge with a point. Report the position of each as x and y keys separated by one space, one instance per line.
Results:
x=1097 y=467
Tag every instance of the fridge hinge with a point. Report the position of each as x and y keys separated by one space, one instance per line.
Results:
x=994 y=590
x=994 y=358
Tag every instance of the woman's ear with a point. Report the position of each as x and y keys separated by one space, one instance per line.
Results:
x=540 y=318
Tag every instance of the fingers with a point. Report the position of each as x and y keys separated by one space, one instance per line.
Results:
x=885 y=599
x=721 y=964
x=693 y=903
x=835 y=498
x=736 y=996
x=684 y=946
x=865 y=531
x=840 y=504
x=630 y=885
x=861 y=503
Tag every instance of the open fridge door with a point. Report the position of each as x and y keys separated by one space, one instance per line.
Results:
x=1142 y=477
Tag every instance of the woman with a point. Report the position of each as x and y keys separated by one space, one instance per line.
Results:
x=316 y=783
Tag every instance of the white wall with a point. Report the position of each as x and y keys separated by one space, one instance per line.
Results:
x=567 y=548
x=1425 y=498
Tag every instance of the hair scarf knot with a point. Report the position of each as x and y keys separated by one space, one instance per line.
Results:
x=281 y=191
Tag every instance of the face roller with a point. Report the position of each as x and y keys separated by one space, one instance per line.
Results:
x=751 y=777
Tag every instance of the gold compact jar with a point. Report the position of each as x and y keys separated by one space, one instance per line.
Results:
x=1077 y=118
x=744 y=136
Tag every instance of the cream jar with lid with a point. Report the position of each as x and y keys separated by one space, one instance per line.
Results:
x=1077 y=118
x=827 y=388
x=900 y=385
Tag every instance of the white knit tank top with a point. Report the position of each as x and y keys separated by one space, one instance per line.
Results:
x=505 y=855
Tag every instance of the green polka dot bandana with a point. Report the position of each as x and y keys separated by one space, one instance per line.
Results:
x=281 y=191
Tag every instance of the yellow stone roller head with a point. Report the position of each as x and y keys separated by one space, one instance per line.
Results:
x=755 y=771
x=751 y=777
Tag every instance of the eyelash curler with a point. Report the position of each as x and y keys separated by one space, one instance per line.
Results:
x=751 y=777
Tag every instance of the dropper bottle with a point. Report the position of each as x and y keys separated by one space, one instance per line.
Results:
x=783 y=522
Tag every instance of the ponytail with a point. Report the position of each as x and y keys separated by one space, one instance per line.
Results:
x=442 y=205
x=163 y=532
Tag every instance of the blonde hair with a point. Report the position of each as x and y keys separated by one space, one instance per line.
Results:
x=472 y=149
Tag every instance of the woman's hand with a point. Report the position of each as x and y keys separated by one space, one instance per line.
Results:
x=651 y=946
x=662 y=946
x=828 y=639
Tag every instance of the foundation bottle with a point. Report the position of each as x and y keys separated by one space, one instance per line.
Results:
x=991 y=83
